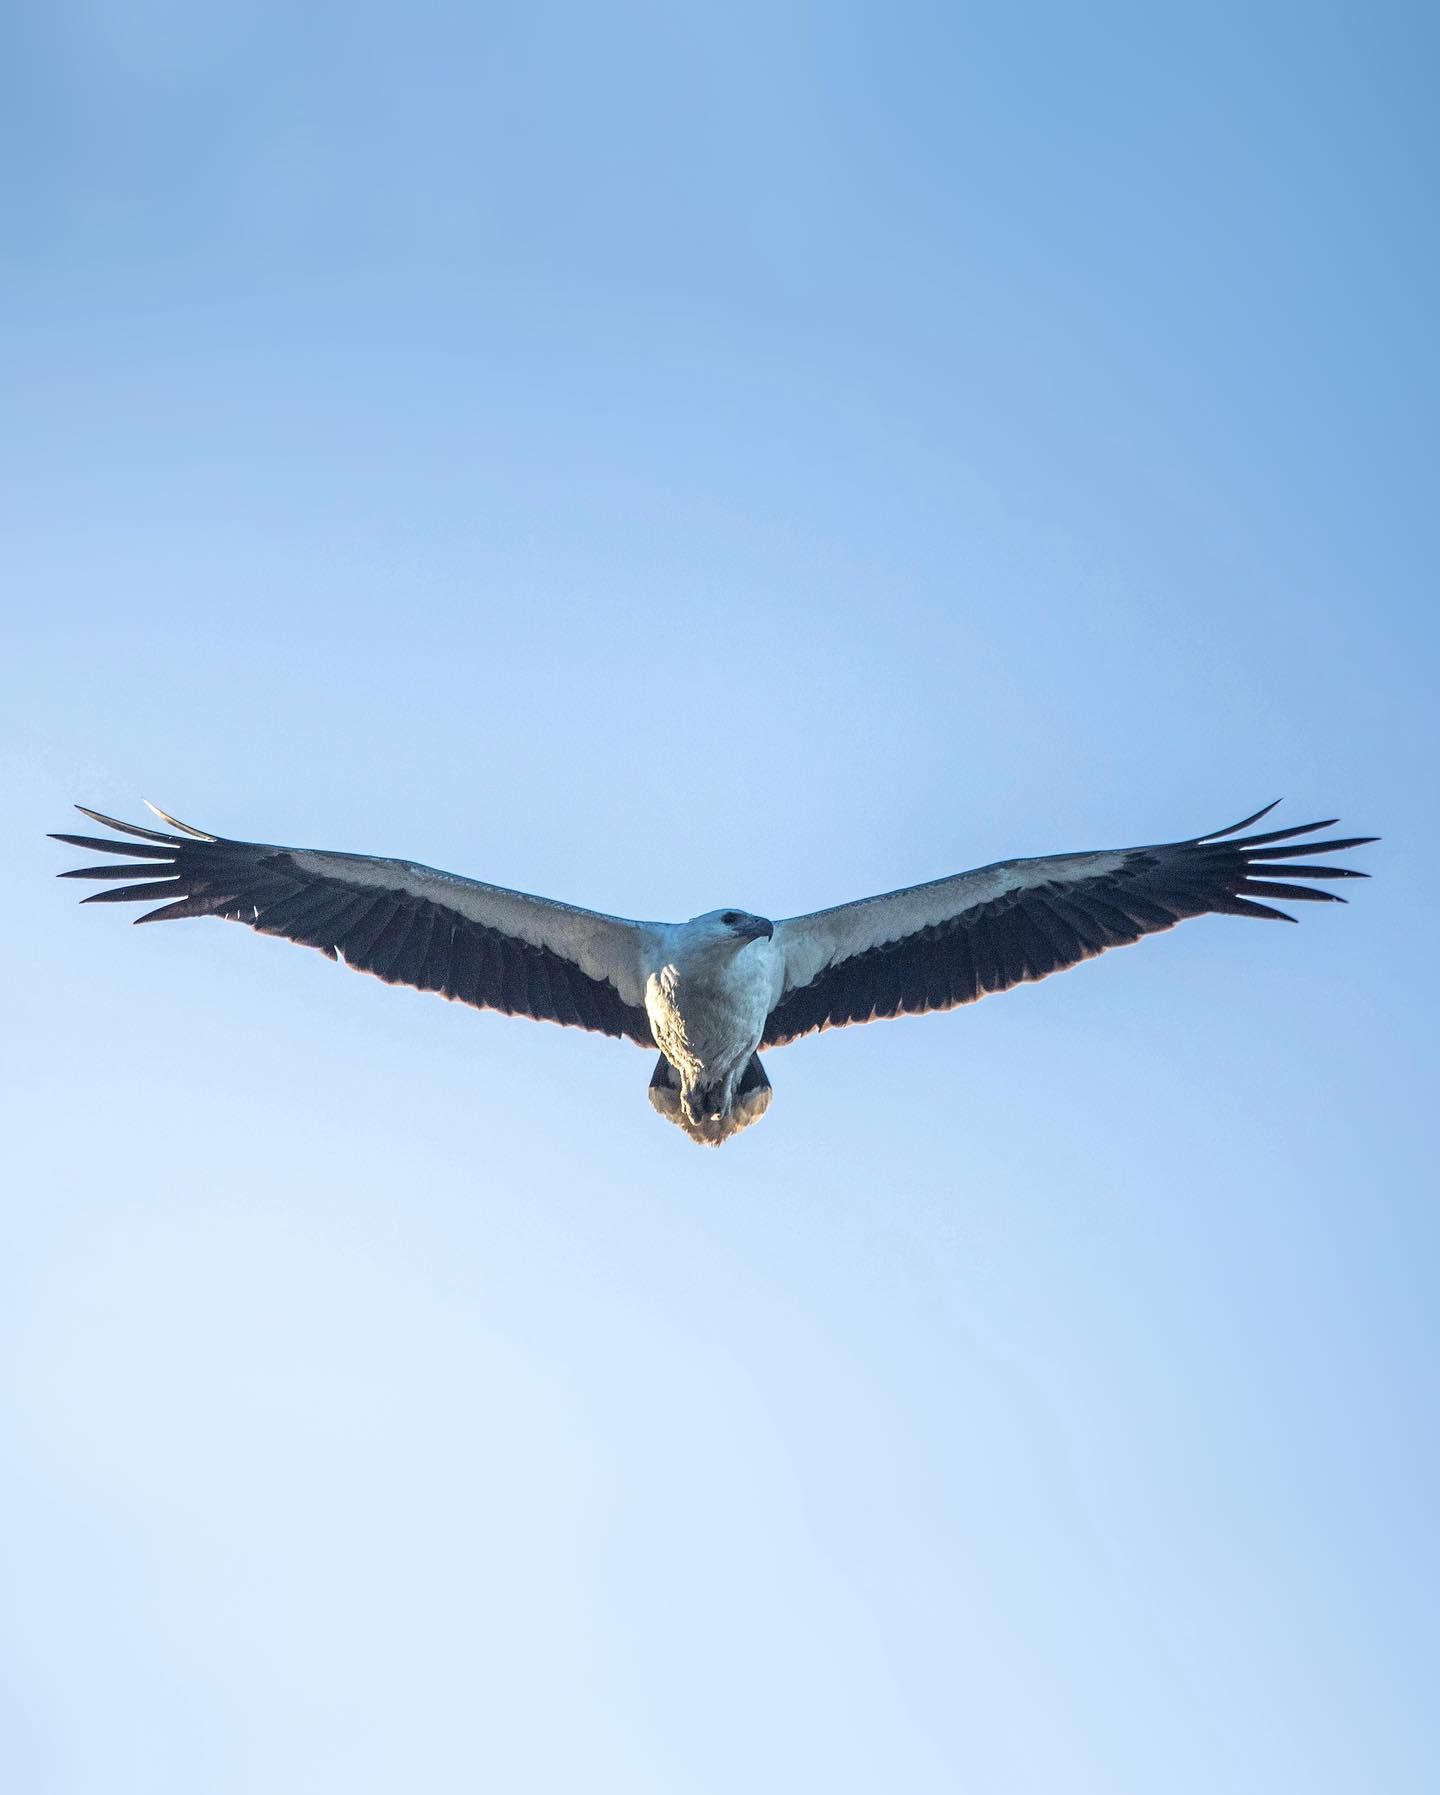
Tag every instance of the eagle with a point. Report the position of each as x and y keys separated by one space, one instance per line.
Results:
x=716 y=992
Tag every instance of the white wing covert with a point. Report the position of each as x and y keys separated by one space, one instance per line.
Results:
x=953 y=941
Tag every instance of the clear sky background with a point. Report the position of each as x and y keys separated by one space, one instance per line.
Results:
x=665 y=457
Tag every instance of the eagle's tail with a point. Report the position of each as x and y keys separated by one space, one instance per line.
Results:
x=749 y=1103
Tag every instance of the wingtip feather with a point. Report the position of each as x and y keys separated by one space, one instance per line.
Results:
x=1235 y=828
x=175 y=823
x=112 y=822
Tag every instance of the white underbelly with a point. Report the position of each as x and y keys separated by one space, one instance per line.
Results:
x=706 y=1026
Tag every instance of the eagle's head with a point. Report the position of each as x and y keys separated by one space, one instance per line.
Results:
x=731 y=928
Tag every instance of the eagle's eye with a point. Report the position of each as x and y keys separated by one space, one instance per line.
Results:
x=730 y=918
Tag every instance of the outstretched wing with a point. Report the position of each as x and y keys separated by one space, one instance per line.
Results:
x=934 y=946
x=407 y=924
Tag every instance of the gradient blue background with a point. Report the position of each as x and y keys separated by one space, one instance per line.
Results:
x=668 y=457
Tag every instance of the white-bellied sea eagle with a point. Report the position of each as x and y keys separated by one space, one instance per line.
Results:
x=715 y=992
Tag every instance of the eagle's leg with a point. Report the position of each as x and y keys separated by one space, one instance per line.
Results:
x=706 y=1102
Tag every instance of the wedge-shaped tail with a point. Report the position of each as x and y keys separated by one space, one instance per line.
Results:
x=752 y=1099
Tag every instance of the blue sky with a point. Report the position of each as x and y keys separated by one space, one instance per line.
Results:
x=669 y=457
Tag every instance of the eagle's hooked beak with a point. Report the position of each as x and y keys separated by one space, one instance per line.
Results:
x=758 y=929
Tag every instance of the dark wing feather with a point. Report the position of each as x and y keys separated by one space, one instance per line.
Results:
x=406 y=924
x=933 y=947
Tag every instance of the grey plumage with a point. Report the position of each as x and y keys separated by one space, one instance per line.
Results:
x=713 y=992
